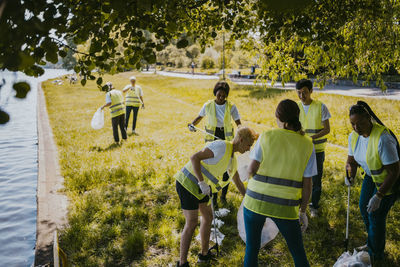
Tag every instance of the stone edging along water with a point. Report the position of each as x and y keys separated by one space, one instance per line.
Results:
x=51 y=204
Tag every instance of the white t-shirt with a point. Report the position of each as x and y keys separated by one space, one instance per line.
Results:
x=386 y=149
x=218 y=149
x=311 y=168
x=220 y=112
x=129 y=86
x=325 y=115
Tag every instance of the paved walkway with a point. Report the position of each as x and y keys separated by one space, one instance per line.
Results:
x=329 y=89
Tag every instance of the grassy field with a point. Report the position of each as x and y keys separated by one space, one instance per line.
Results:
x=124 y=210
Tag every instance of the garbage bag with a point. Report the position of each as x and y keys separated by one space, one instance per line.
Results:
x=243 y=161
x=268 y=233
x=222 y=212
x=98 y=119
x=220 y=236
x=357 y=259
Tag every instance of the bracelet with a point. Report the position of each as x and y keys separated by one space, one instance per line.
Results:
x=379 y=194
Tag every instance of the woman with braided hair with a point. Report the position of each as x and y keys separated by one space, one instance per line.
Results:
x=374 y=149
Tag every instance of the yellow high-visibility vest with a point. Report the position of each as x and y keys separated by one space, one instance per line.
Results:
x=211 y=123
x=276 y=189
x=378 y=173
x=312 y=123
x=132 y=97
x=212 y=174
x=117 y=103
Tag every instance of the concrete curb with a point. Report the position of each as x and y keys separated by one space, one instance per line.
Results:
x=51 y=204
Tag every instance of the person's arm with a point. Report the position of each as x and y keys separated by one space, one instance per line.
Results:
x=206 y=153
x=324 y=131
x=351 y=166
x=125 y=89
x=238 y=123
x=306 y=193
x=239 y=184
x=197 y=120
x=253 y=168
x=141 y=100
x=393 y=172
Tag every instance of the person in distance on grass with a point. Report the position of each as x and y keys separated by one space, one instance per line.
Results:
x=372 y=147
x=134 y=99
x=314 y=117
x=201 y=177
x=115 y=100
x=282 y=164
x=219 y=113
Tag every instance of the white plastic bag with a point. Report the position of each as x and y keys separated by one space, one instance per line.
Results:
x=268 y=233
x=358 y=259
x=98 y=119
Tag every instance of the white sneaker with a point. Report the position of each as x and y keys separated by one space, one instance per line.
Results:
x=362 y=248
x=313 y=212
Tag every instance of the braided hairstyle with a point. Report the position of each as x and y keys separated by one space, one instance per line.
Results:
x=288 y=111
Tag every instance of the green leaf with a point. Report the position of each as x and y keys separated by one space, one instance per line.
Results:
x=62 y=53
x=4 y=117
x=83 y=82
x=99 y=81
x=22 y=88
x=182 y=43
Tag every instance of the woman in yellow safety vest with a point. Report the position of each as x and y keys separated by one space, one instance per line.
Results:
x=282 y=165
x=219 y=113
x=373 y=148
x=115 y=100
x=200 y=177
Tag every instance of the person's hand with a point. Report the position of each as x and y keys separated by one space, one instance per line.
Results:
x=191 y=127
x=101 y=108
x=348 y=181
x=373 y=204
x=204 y=187
x=303 y=221
x=142 y=106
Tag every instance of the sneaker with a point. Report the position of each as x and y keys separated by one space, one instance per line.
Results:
x=186 y=264
x=205 y=258
x=362 y=248
x=313 y=212
x=134 y=132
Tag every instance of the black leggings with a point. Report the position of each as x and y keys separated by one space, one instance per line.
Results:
x=128 y=113
x=219 y=132
x=118 y=121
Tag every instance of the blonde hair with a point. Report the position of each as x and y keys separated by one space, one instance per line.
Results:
x=246 y=133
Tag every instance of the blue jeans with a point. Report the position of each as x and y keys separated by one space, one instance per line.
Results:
x=316 y=180
x=375 y=222
x=290 y=229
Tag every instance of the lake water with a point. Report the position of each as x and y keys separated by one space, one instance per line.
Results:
x=19 y=170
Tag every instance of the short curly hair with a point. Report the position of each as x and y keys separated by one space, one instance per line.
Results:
x=221 y=86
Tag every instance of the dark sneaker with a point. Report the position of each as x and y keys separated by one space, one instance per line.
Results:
x=205 y=258
x=186 y=264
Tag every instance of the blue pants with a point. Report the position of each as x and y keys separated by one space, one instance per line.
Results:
x=290 y=229
x=135 y=111
x=375 y=222
x=316 y=180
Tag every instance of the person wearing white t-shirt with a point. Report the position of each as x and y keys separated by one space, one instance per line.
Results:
x=372 y=147
x=134 y=99
x=219 y=113
x=314 y=118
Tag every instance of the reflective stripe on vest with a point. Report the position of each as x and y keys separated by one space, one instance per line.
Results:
x=132 y=97
x=212 y=174
x=276 y=189
x=211 y=123
x=374 y=163
x=312 y=123
x=117 y=106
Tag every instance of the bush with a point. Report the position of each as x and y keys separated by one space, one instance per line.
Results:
x=207 y=63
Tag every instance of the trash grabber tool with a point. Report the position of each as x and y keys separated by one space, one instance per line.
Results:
x=201 y=130
x=215 y=227
x=346 y=242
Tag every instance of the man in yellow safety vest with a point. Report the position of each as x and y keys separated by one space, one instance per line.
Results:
x=133 y=100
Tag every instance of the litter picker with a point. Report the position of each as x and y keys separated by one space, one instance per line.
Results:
x=346 y=242
x=201 y=130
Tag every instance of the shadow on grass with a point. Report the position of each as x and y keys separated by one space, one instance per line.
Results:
x=110 y=147
x=258 y=92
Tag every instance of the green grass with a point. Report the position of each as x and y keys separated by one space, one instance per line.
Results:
x=124 y=210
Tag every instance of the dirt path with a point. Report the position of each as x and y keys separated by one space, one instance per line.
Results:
x=51 y=204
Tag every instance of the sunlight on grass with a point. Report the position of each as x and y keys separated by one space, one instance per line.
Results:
x=124 y=210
